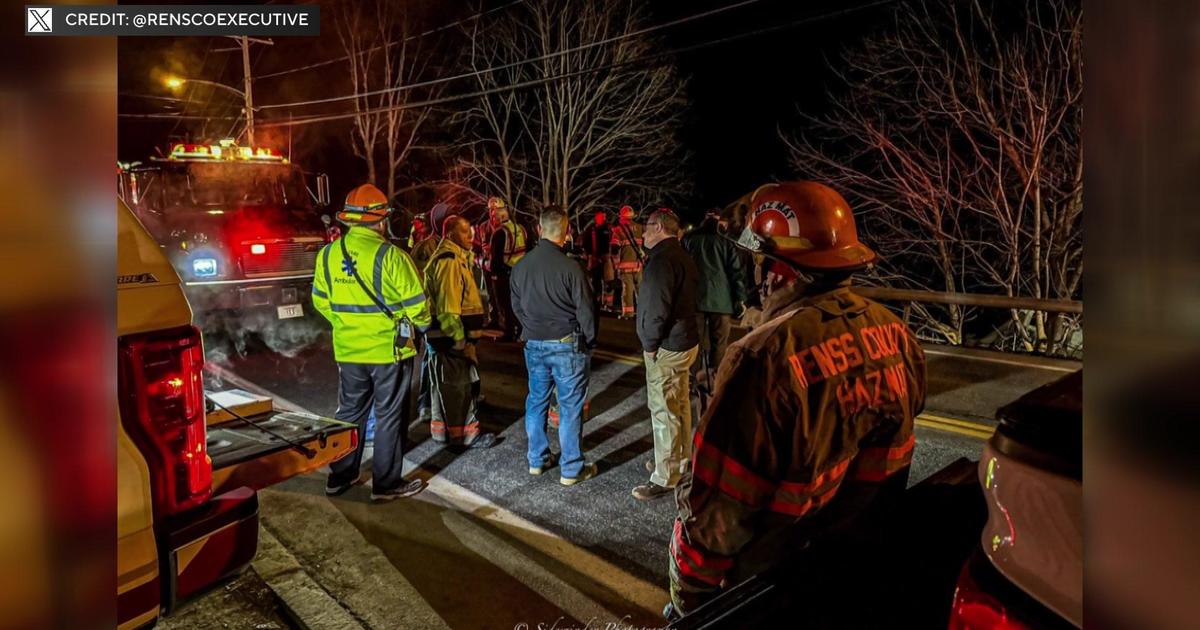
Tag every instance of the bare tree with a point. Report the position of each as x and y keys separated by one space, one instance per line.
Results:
x=383 y=56
x=958 y=141
x=593 y=126
x=491 y=152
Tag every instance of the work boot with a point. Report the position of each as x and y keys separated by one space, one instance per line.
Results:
x=651 y=490
x=406 y=490
x=587 y=472
x=483 y=440
x=549 y=463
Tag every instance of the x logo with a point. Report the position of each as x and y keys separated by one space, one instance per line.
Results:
x=38 y=20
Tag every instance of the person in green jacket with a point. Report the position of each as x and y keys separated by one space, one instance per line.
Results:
x=457 y=325
x=372 y=343
x=722 y=290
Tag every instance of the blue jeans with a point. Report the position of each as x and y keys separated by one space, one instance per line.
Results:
x=556 y=365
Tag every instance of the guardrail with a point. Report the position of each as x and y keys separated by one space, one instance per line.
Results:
x=1071 y=307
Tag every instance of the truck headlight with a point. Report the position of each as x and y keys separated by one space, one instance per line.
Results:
x=204 y=267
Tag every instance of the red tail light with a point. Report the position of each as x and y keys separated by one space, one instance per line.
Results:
x=974 y=609
x=162 y=408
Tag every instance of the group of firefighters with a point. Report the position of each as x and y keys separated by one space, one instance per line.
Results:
x=611 y=254
x=808 y=418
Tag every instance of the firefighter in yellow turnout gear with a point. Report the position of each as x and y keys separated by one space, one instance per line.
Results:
x=627 y=246
x=506 y=247
x=370 y=292
x=458 y=321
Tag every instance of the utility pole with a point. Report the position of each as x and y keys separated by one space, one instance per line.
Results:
x=244 y=46
x=249 y=90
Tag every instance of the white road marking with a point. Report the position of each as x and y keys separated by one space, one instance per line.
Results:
x=365 y=580
x=645 y=595
x=520 y=567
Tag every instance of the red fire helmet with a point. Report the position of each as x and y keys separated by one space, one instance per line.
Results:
x=808 y=224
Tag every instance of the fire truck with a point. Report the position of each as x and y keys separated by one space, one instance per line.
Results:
x=240 y=224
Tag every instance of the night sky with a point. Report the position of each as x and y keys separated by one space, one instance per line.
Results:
x=740 y=92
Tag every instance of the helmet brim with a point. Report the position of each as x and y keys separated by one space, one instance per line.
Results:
x=352 y=217
x=848 y=258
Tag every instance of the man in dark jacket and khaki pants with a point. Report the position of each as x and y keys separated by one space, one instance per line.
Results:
x=666 y=325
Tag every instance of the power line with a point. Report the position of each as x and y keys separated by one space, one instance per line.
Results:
x=443 y=27
x=177 y=117
x=466 y=75
x=534 y=82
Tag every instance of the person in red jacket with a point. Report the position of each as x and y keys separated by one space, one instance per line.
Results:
x=811 y=420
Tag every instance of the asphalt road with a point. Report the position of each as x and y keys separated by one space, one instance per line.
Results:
x=490 y=546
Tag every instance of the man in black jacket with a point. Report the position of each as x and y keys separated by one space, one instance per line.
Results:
x=552 y=300
x=666 y=325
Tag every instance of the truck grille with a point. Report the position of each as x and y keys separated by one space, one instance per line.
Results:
x=282 y=258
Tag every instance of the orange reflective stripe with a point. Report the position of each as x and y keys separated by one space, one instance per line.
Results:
x=728 y=476
x=438 y=427
x=696 y=564
x=796 y=498
x=830 y=475
x=801 y=509
x=880 y=462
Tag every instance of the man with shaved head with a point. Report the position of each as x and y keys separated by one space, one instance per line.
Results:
x=552 y=300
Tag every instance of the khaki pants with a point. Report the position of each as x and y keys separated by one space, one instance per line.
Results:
x=667 y=385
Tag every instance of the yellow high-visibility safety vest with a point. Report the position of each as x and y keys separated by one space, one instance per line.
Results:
x=514 y=244
x=362 y=332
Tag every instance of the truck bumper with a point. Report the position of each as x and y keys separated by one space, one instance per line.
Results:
x=221 y=295
x=203 y=546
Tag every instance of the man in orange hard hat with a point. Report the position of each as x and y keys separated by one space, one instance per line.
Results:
x=812 y=414
x=371 y=293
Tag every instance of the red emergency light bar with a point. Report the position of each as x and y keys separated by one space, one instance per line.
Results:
x=188 y=151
